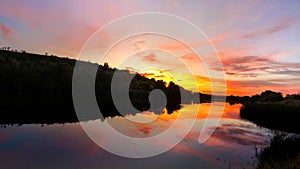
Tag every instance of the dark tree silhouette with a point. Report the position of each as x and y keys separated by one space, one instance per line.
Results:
x=38 y=89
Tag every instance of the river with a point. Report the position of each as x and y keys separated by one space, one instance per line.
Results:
x=67 y=146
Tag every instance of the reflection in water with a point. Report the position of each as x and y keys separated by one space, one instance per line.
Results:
x=67 y=146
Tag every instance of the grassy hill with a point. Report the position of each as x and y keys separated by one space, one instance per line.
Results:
x=38 y=89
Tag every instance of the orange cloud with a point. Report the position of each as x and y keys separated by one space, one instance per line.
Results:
x=191 y=57
x=252 y=87
x=150 y=57
x=173 y=46
x=164 y=75
x=220 y=38
x=251 y=74
x=159 y=76
x=146 y=130
x=147 y=74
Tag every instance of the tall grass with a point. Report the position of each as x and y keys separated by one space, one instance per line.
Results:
x=282 y=153
x=284 y=115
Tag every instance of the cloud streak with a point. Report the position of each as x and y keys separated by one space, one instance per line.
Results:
x=151 y=57
x=5 y=30
x=283 y=24
x=177 y=45
x=252 y=66
x=251 y=87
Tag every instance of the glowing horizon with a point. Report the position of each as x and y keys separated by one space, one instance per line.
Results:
x=257 y=41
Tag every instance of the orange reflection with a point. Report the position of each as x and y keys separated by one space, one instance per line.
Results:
x=163 y=121
x=230 y=111
x=167 y=117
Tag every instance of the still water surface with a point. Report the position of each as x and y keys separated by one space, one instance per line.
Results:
x=67 y=146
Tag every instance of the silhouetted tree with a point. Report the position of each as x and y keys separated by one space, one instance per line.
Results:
x=38 y=88
x=105 y=66
x=270 y=96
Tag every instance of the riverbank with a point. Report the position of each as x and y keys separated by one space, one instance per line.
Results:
x=282 y=153
x=282 y=115
x=38 y=89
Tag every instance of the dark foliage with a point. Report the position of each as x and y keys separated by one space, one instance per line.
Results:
x=38 y=89
x=266 y=96
x=273 y=111
x=282 y=153
x=278 y=115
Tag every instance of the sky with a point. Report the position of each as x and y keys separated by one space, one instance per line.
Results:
x=257 y=42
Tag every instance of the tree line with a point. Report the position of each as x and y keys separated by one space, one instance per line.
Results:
x=272 y=110
x=38 y=89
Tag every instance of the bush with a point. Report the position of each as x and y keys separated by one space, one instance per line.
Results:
x=282 y=153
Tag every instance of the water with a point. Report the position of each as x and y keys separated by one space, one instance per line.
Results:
x=67 y=146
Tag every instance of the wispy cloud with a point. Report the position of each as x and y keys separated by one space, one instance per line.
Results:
x=283 y=24
x=130 y=69
x=165 y=70
x=252 y=66
x=151 y=57
x=5 y=30
x=159 y=76
x=146 y=130
x=176 y=45
x=191 y=57
x=251 y=87
x=147 y=74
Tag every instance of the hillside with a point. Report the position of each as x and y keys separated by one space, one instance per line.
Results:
x=38 y=89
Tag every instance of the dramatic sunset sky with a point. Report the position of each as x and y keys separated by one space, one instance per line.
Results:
x=258 y=41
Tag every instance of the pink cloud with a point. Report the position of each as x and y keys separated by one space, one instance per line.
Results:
x=220 y=38
x=191 y=57
x=5 y=30
x=246 y=87
x=283 y=24
x=243 y=70
x=146 y=130
x=181 y=46
x=23 y=12
x=252 y=65
x=60 y=27
x=150 y=58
